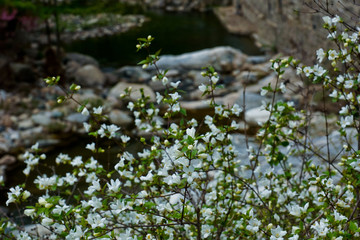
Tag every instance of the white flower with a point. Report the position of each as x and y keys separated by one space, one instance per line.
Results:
x=202 y=87
x=277 y=233
x=130 y=106
x=159 y=97
x=125 y=138
x=175 y=107
x=47 y=221
x=77 y=161
x=219 y=109
x=332 y=55
x=338 y=216
x=148 y=177
x=154 y=78
x=95 y=220
x=263 y=92
x=98 y=110
x=87 y=126
x=175 y=85
x=299 y=70
x=295 y=237
x=320 y=55
x=349 y=84
x=282 y=87
x=85 y=112
x=149 y=237
x=336 y=19
x=30 y=212
x=91 y=146
x=308 y=71
x=95 y=202
x=174 y=96
x=347 y=121
x=344 y=110
x=356 y=165
x=112 y=130
x=321 y=227
x=253 y=225
x=114 y=186
x=236 y=109
x=75 y=234
x=205 y=230
x=165 y=81
x=327 y=20
x=214 y=79
x=35 y=147
x=191 y=132
x=340 y=79
x=334 y=94
x=71 y=179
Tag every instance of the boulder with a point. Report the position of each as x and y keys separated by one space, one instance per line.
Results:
x=257 y=59
x=252 y=100
x=7 y=160
x=71 y=68
x=119 y=89
x=197 y=78
x=224 y=59
x=42 y=118
x=23 y=72
x=249 y=77
x=82 y=59
x=6 y=74
x=77 y=118
x=271 y=78
x=120 y=118
x=89 y=76
x=133 y=74
x=256 y=115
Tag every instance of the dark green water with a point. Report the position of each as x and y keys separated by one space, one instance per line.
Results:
x=174 y=33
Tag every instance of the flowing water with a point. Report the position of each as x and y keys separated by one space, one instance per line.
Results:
x=174 y=33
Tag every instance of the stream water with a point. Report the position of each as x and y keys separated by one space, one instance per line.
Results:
x=174 y=33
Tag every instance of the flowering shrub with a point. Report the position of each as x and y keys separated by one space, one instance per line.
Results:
x=189 y=180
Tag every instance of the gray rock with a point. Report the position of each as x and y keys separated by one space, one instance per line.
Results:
x=77 y=118
x=43 y=118
x=25 y=124
x=45 y=143
x=82 y=59
x=90 y=76
x=221 y=58
x=7 y=160
x=252 y=100
x=263 y=83
x=249 y=77
x=197 y=78
x=119 y=89
x=133 y=74
x=120 y=118
x=4 y=148
x=256 y=115
x=257 y=59
x=71 y=68
x=29 y=136
x=23 y=72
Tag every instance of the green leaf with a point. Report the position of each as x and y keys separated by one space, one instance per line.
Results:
x=143 y=62
x=183 y=111
x=353 y=227
x=158 y=52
